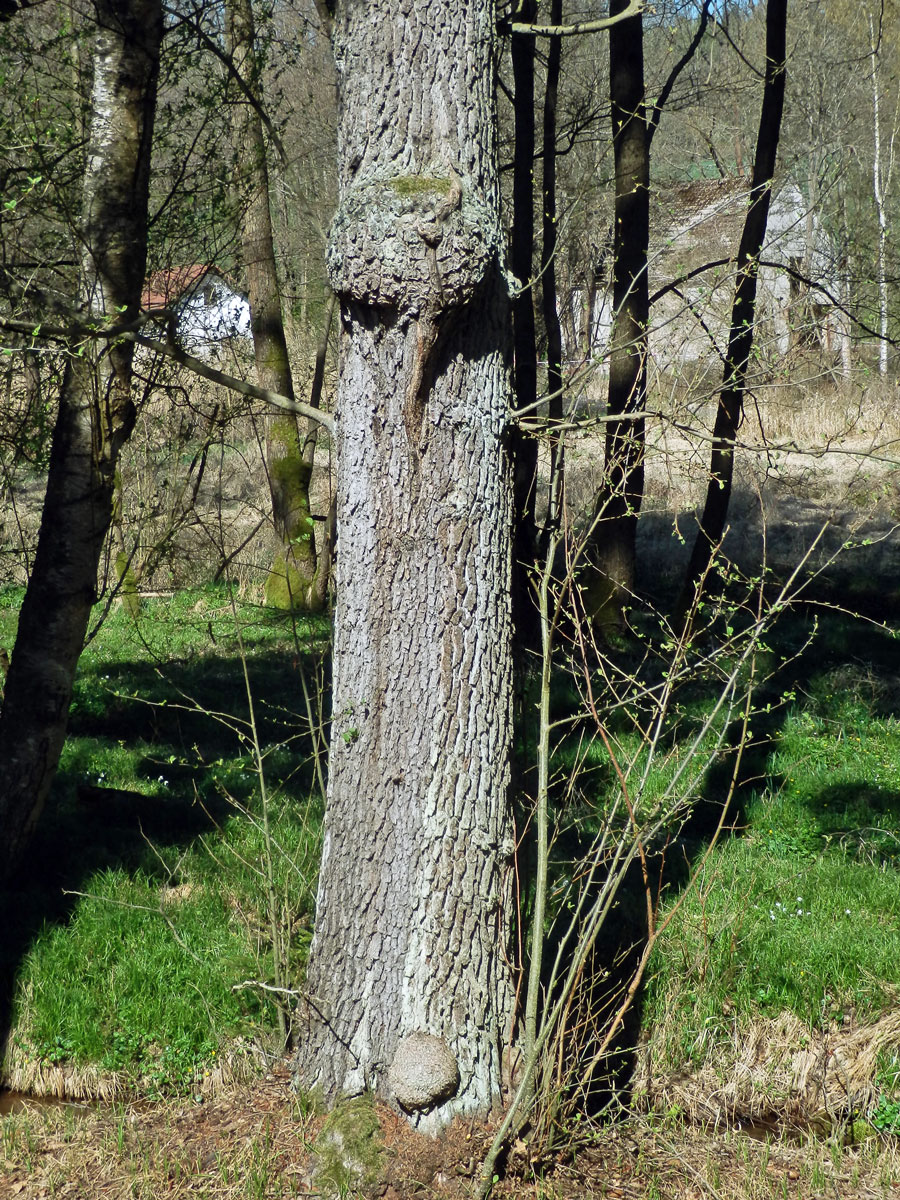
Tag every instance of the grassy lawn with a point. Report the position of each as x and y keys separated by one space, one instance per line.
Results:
x=160 y=881
x=164 y=893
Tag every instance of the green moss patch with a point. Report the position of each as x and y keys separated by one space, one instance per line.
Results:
x=349 y=1151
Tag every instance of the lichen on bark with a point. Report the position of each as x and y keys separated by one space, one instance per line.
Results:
x=414 y=904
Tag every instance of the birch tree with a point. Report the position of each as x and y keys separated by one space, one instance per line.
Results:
x=882 y=170
x=96 y=416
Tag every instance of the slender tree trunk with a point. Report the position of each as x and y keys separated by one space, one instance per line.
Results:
x=31 y=368
x=318 y=596
x=549 y=245
x=96 y=416
x=730 y=408
x=612 y=548
x=880 y=210
x=292 y=579
x=409 y=983
x=618 y=502
x=845 y=292
x=525 y=447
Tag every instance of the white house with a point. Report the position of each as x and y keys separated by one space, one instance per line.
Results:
x=700 y=224
x=209 y=309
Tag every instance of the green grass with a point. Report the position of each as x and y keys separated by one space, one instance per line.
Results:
x=148 y=904
x=130 y=983
x=799 y=909
x=147 y=900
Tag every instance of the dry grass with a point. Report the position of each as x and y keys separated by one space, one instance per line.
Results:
x=229 y=517
x=816 y=464
x=778 y=1068
x=249 y=1143
x=256 y=1141
x=798 y=428
x=33 y=1076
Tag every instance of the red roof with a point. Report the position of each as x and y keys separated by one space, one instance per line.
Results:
x=165 y=286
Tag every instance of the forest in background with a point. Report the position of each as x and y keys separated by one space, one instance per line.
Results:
x=836 y=157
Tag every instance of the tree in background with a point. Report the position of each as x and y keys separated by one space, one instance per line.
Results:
x=95 y=417
x=548 y=276
x=883 y=158
x=618 y=502
x=294 y=580
x=729 y=410
x=525 y=366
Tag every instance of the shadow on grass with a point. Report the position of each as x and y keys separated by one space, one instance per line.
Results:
x=812 y=659
x=155 y=759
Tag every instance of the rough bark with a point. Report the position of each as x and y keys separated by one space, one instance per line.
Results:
x=292 y=578
x=618 y=501
x=96 y=415
x=409 y=958
x=730 y=408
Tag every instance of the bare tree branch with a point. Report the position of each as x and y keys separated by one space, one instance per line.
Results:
x=225 y=59
x=812 y=285
x=655 y=110
x=199 y=367
x=633 y=9
x=170 y=350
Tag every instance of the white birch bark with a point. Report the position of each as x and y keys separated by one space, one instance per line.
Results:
x=96 y=416
x=880 y=210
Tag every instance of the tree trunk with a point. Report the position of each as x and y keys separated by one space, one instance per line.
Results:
x=96 y=416
x=617 y=503
x=845 y=290
x=318 y=594
x=524 y=446
x=549 y=246
x=31 y=369
x=409 y=977
x=880 y=209
x=730 y=408
x=292 y=579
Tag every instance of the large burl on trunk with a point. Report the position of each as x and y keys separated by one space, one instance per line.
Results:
x=409 y=984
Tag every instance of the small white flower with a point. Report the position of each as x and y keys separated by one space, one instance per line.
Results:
x=847 y=911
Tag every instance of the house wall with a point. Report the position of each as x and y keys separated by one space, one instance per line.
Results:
x=692 y=325
x=212 y=313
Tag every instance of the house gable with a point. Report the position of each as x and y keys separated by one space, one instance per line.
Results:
x=207 y=305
